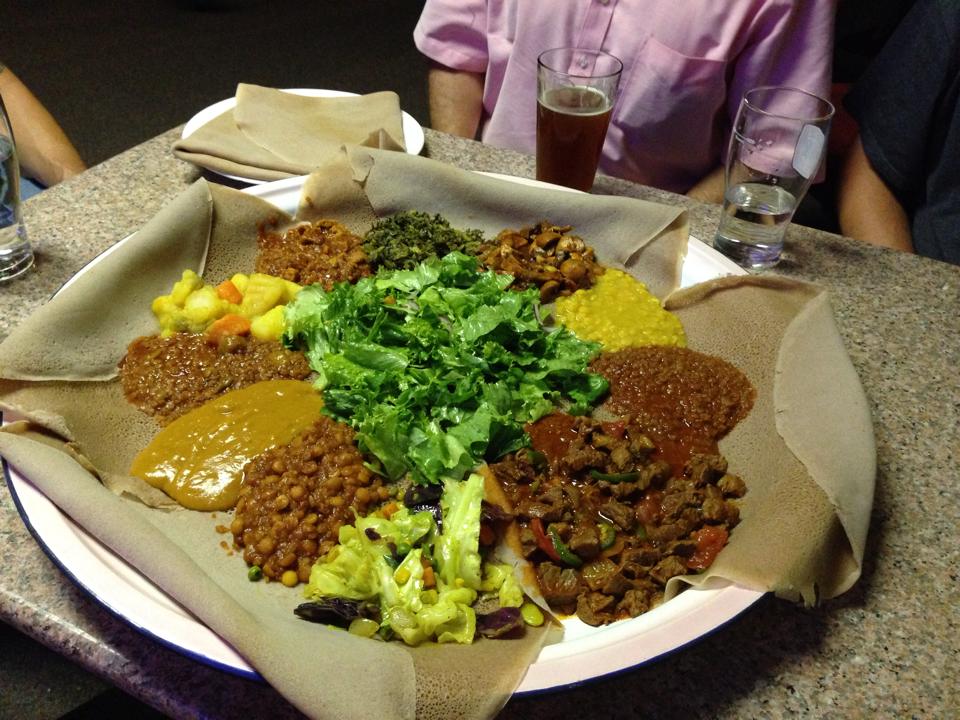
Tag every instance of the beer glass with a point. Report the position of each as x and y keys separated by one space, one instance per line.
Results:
x=576 y=90
x=778 y=143
x=16 y=255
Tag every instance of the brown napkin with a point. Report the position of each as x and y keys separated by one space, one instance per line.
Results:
x=810 y=485
x=271 y=134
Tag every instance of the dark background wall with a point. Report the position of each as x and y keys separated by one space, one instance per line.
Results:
x=116 y=73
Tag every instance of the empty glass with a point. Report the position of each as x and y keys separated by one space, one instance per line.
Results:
x=16 y=255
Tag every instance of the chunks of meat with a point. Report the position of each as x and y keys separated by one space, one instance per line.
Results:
x=732 y=486
x=559 y=586
x=548 y=505
x=606 y=521
x=702 y=468
x=619 y=514
x=669 y=567
x=635 y=602
x=324 y=252
x=596 y=608
x=585 y=541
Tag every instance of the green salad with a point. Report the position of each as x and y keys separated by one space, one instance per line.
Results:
x=439 y=367
x=409 y=576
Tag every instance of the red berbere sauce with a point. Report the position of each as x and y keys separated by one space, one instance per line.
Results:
x=685 y=400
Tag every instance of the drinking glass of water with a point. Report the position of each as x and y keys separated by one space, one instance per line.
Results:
x=16 y=255
x=778 y=143
x=576 y=89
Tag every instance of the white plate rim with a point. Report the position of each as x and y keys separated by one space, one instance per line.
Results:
x=413 y=137
x=586 y=654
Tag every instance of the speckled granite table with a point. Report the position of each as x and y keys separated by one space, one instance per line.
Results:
x=887 y=648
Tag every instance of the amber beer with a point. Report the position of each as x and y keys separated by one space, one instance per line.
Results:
x=571 y=126
x=576 y=88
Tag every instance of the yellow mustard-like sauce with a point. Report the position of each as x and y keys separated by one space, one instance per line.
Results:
x=198 y=459
x=619 y=312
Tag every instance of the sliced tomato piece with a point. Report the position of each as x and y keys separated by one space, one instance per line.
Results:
x=710 y=540
x=544 y=542
x=649 y=510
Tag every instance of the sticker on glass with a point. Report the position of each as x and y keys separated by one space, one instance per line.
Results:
x=806 y=155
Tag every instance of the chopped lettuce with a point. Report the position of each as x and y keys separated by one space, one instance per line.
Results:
x=385 y=560
x=458 y=547
x=437 y=368
x=499 y=577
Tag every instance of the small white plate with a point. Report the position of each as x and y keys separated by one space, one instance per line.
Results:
x=412 y=131
x=585 y=652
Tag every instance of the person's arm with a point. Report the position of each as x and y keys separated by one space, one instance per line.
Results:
x=456 y=100
x=45 y=152
x=866 y=208
x=710 y=187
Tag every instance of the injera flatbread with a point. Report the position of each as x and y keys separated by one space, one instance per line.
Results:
x=181 y=554
x=271 y=134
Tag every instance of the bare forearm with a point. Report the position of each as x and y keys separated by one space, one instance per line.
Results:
x=709 y=188
x=45 y=152
x=456 y=101
x=866 y=208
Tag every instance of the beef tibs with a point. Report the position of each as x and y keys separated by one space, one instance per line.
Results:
x=607 y=523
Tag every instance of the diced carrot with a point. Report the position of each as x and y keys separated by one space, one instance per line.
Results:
x=229 y=325
x=429 y=579
x=389 y=509
x=229 y=292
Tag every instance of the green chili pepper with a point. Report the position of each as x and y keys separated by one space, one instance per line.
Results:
x=614 y=477
x=565 y=554
x=537 y=459
x=608 y=535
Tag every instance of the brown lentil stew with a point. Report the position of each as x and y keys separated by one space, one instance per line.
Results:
x=295 y=497
x=684 y=400
x=324 y=252
x=604 y=523
x=168 y=376
x=544 y=256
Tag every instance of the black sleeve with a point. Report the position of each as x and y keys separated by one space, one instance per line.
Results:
x=896 y=100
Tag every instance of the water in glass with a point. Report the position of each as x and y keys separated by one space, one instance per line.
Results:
x=754 y=220
x=16 y=256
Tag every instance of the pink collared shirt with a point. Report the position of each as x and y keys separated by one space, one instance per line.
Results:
x=686 y=65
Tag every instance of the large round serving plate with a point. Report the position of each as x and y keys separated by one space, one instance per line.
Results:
x=585 y=652
x=413 y=137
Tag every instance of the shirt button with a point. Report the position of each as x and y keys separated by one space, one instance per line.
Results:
x=583 y=62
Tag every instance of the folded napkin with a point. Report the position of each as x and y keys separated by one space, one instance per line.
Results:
x=271 y=134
